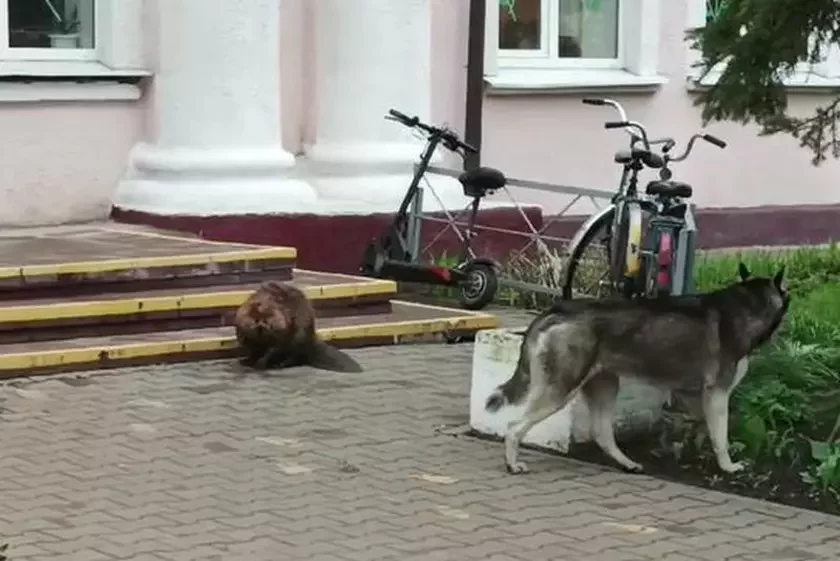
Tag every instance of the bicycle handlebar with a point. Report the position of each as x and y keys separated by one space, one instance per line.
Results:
x=714 y=140
x=669 y=143
x=449 y=137
x=704 y=136
x=611 y=102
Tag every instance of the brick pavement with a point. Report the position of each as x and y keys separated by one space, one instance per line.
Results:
x=197 y=462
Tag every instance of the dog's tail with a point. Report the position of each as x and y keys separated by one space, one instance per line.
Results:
x=517 y=385
x=327 y=357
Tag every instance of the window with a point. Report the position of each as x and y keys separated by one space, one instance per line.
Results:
x=71 y=50
x=559 y=33
x=826 y=74
x=48 y=30
x=572 y=43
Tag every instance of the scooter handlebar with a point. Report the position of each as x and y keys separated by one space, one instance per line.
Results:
x=450 y=138
x=403 y=118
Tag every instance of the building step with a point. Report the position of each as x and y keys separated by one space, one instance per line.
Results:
x=66 y=261
x=406 y=322
x=171 y=309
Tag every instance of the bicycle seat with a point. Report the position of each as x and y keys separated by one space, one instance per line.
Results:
x=480 y=181
x=668 y=188
x=623 y=157
x=647 y=157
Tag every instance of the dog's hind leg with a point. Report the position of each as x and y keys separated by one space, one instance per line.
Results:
x=558 y=371
x=716 y=413
x=537 y=409
x=601 y=393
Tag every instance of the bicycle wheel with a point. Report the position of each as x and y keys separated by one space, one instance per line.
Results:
x=588 y=270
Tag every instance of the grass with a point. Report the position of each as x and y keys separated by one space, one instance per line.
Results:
x=788 y=408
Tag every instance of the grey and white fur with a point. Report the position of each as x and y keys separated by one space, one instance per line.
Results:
x=695 y=345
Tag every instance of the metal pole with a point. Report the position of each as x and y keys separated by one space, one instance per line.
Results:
x=415 y=225
x=474 y=98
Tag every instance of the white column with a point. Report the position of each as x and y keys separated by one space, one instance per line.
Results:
x=372 y=55
x=216 y=111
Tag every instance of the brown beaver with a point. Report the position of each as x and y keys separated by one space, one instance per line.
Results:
x=275 y=328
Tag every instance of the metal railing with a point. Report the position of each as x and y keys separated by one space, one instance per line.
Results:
x=683 y=277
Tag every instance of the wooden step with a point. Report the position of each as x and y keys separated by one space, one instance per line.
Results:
x=171 y=309
x=406 y=322
x=57 y=262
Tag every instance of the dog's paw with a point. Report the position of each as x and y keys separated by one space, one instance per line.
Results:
x=732 y=467
x=516 y=468
x=633 y=467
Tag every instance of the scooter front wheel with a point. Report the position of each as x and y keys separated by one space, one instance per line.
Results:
x=479 y=287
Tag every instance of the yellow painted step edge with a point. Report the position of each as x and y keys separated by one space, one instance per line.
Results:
x=105 y=265
x=147 y=304
x=93 y=355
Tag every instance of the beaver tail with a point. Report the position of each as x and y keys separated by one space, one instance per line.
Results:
x=326 y=357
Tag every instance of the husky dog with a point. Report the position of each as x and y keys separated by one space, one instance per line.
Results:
x=696 y=345
x=275 y=327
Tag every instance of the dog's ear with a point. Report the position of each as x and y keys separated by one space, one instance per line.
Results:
x=779 y=278
x=743 y=272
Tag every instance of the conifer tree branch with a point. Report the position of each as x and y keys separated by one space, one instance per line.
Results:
x=756 y=45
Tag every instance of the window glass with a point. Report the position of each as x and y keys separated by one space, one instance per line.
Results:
x=51 y=24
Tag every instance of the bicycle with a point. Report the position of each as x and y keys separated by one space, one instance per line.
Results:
x=642 y=261
x=390 y=257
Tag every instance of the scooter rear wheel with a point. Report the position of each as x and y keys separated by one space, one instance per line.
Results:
x=479 y=288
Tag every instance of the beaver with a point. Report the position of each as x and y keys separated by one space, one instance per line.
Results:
x=275 y=328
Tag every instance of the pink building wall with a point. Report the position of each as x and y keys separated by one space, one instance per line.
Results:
x=62 y=161
x=555 y=138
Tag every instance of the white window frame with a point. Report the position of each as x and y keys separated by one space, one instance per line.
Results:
x=635 y=68
x=825 y=74
x=547 y=55
x=9 y=53
x=118 y=57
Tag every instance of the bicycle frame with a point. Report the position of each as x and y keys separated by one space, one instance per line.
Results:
x=624 y=215
x=625 y=205
x=685 y=238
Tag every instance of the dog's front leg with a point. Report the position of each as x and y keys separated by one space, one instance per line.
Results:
x=716 y=413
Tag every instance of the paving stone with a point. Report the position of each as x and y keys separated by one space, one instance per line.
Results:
x=306 y=464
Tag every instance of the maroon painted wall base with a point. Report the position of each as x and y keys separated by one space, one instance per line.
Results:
x=336 y=243
x=752 y=226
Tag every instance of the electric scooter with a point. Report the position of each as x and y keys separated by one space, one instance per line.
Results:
x=389 y=256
